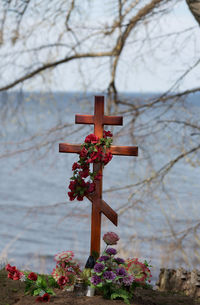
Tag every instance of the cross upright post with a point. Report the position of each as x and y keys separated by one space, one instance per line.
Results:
x=99 y=206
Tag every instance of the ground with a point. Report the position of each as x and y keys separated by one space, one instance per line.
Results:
x=12 y=293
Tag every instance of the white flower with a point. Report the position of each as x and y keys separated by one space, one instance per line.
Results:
x=23 y=278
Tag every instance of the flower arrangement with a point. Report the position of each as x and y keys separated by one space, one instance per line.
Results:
x=93 y=150
x=36 y=285
x=115 y=277
x=67 y=270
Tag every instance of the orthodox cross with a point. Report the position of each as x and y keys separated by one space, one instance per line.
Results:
x=99 y=206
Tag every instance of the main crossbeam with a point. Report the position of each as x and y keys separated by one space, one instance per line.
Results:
x=115 y=150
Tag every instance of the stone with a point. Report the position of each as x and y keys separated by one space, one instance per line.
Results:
x=180 y=280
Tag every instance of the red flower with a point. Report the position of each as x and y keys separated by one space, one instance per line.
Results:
x=82 y=183
x=75 y=166
x=71 y=195
x=83 y=153
x=84 y=173
x=80 y=198
x=62 y=280
x=13 y=274
x=91 y=187
x=107 y=158
x=32 y=276
x=11 y=269
x=10 y=276
x=107 y=134
x=17 y=275
x=72 y=185
x=95 y=156
x=44 y=298
x=91 y=138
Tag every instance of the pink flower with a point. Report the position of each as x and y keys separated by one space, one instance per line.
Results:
x=64 y=256
x=111 y=238
x=91 y=138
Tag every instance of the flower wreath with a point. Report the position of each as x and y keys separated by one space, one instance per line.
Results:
x=94 y=149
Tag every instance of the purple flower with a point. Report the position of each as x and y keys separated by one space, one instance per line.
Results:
x=109 y=275
x=128 y=280
x=103 y=258
x=98 y=267
x=95 y=280
x=111 y=251
x=121 y=272
x=120 y=260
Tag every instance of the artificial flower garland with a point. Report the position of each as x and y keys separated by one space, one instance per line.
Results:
x=94 y=149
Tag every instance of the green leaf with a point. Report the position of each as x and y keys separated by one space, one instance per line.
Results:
x=50 y=291
x=28 y=286
x=41 y=282
x=52 y=282
x=37 y=291
x=108 y=281
x=99 y=274
x=122 y=294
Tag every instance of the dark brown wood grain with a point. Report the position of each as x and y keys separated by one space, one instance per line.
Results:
x=69 y=148
x=124 y=150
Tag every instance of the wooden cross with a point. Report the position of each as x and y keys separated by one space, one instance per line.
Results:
x=98 y=204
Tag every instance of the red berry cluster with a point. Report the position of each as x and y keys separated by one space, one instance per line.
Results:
x=93 y=150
